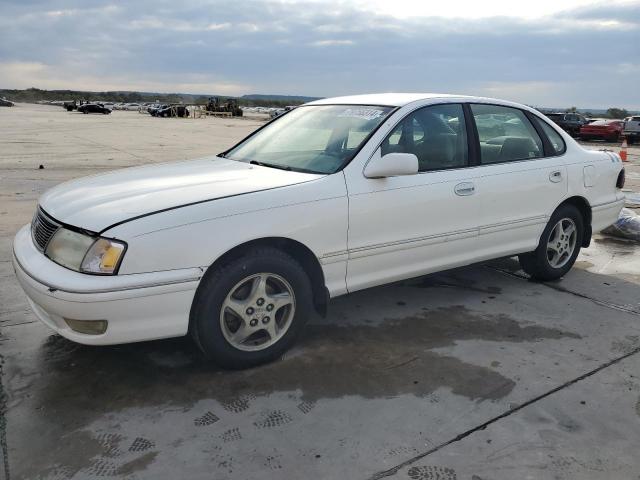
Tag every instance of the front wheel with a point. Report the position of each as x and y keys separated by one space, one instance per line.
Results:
x=559 y=245
x=251 y=310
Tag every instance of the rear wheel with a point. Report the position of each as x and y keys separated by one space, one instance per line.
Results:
x=251 y=310
x=559 y=245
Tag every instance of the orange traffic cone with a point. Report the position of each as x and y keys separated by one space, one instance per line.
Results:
x=623 y=150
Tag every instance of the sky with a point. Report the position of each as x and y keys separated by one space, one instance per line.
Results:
x=544 y=53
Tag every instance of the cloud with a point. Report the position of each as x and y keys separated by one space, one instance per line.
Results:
x=585 y=56
x=331 y=43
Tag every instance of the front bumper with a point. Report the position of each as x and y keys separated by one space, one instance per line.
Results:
x=137 y=307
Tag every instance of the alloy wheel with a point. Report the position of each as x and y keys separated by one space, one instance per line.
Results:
x=561 y=243
x=257 y=312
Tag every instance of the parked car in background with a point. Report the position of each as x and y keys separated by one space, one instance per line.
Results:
x=569 y=122
x=279 y=111
x=153 y=109
x=390 y=186
x=5 y=103
x=609 y=130
x=93 y=108
x=172 y=111
x=631 y=129
x=131 y=106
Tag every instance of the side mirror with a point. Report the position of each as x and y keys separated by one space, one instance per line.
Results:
x=391 y=165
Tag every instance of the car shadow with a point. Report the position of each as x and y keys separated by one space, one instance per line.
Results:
x=373 y=353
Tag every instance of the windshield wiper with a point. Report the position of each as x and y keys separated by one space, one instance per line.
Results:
x=286 y=167
x=270 y=165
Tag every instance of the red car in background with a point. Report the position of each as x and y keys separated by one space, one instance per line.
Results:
x=602 y=129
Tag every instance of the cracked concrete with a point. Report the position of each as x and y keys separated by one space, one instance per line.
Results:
x=475 y=373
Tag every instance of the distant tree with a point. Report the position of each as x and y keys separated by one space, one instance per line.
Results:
x=572 y=110
x=617 y=112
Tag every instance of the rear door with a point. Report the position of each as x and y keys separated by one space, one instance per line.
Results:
x=522 y=179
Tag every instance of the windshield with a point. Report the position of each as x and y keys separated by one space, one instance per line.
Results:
x=315 y=139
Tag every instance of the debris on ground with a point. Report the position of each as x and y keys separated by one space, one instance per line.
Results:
x=627 y=225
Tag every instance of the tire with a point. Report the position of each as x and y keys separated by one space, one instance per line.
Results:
x=538 y=264
x=218 y=326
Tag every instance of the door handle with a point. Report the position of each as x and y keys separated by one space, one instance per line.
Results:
x=464 y=189
x=555 y=176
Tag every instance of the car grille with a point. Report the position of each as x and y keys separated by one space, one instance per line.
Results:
x=42 y=229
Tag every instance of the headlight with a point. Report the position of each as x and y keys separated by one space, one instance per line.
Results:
x=84 y=253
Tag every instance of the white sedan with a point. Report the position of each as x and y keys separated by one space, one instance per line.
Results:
x=338 y=195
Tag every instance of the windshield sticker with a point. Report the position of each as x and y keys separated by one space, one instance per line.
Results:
x=365 y=113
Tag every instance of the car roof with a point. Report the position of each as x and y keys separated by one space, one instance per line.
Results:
x=400 y=99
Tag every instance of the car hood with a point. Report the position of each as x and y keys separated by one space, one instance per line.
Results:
x=100 y=201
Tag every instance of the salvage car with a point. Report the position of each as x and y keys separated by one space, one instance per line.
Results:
x=342 y=194
x=131 y=107
x=172 y=111
x=280 y=111
x=569 y=122
x=155 y=108
x=93 y=108
x=609 y=130
x=631 y=129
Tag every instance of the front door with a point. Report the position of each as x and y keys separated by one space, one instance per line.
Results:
x=406 y=226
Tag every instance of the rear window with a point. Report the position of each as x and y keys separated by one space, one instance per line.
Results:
x=558 y=145
x=505 y=134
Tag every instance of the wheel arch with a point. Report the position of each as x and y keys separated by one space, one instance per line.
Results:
x=582 y=204
x=295 y=249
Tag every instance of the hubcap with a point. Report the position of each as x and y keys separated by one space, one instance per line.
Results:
x=561 y=243
x=257 y=312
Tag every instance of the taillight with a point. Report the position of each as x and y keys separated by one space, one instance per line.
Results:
x=620 y=181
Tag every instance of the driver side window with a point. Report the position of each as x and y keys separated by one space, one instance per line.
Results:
x=436 y=135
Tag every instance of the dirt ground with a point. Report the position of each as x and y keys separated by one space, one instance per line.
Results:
x=475 y=373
